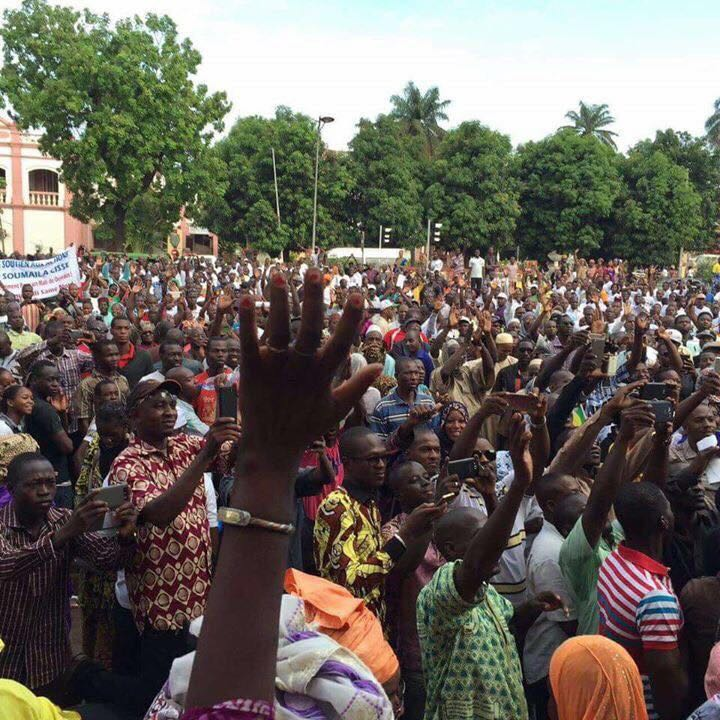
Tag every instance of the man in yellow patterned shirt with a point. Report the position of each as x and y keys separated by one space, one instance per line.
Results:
x=348 y=545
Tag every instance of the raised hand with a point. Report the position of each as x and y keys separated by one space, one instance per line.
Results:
x=60 y=402
x=422 y=413
x=519 y=446
x=420 y=520
x=286 y=393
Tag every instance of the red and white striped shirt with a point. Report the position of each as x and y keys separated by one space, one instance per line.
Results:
x=638 y=607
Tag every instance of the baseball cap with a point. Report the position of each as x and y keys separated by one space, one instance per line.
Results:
x=465 y=318
x=149 y=387
x=675 y=335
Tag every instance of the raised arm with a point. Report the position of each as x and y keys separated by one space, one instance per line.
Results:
x=287 y=403
x=610 y=476
x=465 y=445
x=489 y=542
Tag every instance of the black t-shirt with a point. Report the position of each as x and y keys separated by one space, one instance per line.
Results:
x=43 y=424
x=138 y=367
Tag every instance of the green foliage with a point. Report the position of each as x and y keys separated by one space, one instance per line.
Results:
x=473 y=192
x=593 y=120
x=704 y=270
x=657 y=211
x=568 y=185
x=118 y=106
x=702 y=162
x=712 y=126
x=246 y=213
x=420 y=114
x=387 y=180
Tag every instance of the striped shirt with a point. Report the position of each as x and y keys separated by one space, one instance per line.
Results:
x=638 y=608
x=34 y=580
x=392 y=411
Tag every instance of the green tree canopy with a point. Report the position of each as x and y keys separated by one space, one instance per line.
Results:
x=387 y=184
x=473 y=192
x=593 y=120
x=702 y=162
x=421 y=113
x=247 y=212
x=657 y=211
x=568 y=185
x=118 y=106
x=712 y=126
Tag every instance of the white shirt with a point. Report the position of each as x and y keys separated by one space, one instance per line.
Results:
x=477 y=267
x=157 y=375
x=544 y=575
x=436 y=264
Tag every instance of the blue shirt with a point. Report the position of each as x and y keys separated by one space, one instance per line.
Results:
x=392 y=411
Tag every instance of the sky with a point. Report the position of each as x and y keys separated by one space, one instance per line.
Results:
x=517 y=65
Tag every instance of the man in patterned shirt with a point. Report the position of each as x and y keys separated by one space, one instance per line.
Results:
x=348 y=545
x=38 y=543
x=470 y=659
x=638 y=608
x=169 y=579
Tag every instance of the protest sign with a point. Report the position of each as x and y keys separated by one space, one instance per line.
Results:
x=45 y=276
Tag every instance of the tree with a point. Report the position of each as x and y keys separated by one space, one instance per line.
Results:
x=118 y=106
x=712 y=126
x=247 y=211
x=473 y=192
x=568 y=185
x=387 y=187
x=420 y=113
x=702 y=162
x=657 y=211
x=592 y=120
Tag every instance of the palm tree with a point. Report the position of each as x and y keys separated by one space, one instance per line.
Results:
x=591 y=120
x=712 y=126
x=421 y=112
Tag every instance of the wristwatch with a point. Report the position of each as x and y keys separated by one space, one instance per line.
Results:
x=242 y=518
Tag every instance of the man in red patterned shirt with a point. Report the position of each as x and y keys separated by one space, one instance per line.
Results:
x=169 y=579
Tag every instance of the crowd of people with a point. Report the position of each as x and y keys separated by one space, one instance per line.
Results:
x=447 y=488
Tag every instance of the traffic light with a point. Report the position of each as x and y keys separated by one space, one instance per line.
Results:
x=436 y=231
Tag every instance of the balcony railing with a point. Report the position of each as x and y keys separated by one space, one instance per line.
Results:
x=44 y=198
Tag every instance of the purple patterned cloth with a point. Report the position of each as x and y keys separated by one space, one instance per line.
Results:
x=233 y=710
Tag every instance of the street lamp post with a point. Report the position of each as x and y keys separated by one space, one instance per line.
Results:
x=322 y=120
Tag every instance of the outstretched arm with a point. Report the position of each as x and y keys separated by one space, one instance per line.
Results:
x=489 y=542
x=610 y=476
x=288 y=403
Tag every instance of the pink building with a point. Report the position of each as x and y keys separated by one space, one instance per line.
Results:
x=34 y=204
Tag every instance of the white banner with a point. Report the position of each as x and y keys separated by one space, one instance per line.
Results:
x=45 y=276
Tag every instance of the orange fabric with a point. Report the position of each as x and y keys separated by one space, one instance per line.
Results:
x=593 y=678
x=344 y=618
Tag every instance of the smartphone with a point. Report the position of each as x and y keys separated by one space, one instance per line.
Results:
x=706 y=443
x=655 y=391
x=663 y=410
x=114 y=496
x=465 y=468
x=227 y=405
x=612 y=365
x=597 y=347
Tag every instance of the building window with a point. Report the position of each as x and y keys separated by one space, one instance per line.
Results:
x=44 y=187
x=3 y=186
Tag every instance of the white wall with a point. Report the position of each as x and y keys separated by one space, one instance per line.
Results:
x=45 y=228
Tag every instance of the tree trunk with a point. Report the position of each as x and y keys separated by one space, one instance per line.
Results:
x=120 y=222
